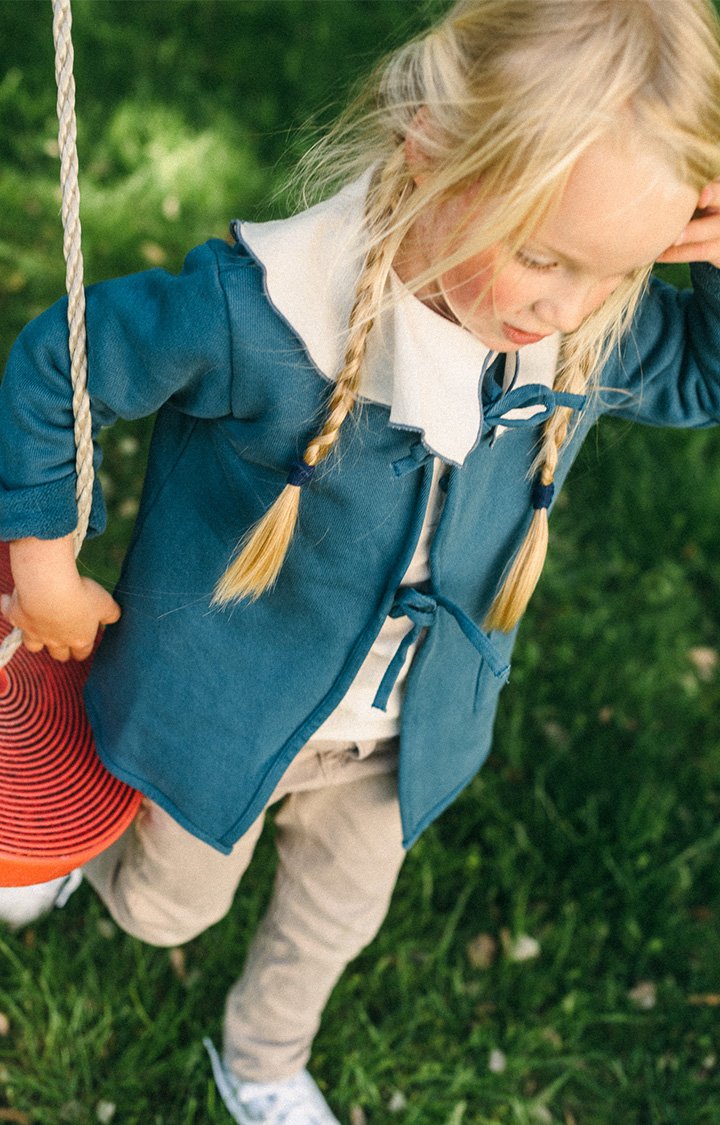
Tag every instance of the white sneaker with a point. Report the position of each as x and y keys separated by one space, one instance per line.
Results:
x=22 y=905
x=294 y=1101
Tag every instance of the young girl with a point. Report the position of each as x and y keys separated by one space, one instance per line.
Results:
x=377 y=399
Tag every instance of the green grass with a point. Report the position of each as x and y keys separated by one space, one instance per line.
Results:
x=594 y=828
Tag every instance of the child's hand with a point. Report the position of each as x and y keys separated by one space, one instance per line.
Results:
x=52 y=604
x=66 y=623
x=700 y=240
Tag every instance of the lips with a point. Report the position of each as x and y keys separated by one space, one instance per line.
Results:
x=517 y=336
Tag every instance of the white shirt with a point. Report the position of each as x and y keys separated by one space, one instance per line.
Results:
x=425 y=368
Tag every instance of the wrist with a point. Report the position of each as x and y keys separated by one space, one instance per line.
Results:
x=43 y=567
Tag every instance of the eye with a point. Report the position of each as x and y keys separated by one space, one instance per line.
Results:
x=530 y=262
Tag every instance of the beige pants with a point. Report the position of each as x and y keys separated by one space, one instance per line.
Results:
x=339 y=849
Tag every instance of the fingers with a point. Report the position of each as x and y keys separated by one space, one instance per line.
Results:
x=692 y=252
x=59 y=652
x=62 y=640
x=79 y=652
x=710 y=195
x=32 y=644
x=112 y=614
x=103 y=604
x=699 y=241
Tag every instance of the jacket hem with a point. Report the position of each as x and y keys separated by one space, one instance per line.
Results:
x=160 y=799
x=411 y=835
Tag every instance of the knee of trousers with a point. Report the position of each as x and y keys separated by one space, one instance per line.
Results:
x=156 y=916
x=161 y=928
x=159 y=900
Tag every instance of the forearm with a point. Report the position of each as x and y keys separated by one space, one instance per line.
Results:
x=666 y=372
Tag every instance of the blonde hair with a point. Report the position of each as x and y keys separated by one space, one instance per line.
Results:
x=505 y=95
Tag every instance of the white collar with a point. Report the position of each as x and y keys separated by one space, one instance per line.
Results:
x=425 y=368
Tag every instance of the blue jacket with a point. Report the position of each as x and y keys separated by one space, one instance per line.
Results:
x=203 y=709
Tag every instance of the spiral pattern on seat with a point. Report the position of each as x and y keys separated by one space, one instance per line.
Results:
x=59 y=806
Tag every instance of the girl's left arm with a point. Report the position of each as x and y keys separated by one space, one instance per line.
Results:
x=667 y=371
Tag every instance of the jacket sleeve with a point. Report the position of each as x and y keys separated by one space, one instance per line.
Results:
x=153 y=338
x=667 y=371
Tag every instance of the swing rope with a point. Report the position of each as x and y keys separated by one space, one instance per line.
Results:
x=70 y=210
x=67 y=143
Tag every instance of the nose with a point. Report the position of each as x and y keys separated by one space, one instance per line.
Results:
x=566 y=308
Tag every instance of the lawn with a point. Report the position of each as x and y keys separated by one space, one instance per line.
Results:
x=552 y=954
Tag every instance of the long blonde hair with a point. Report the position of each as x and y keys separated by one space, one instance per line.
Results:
x=507 y=95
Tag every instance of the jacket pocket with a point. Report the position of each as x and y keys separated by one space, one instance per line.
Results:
x=487 y=687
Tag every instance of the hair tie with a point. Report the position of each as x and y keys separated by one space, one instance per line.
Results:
x=300 y=473
x=542 y=495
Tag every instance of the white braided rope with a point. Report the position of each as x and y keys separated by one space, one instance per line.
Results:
x=67 y=143
x=9 y=647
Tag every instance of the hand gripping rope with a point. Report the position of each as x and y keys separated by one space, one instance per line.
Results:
x=59 y=806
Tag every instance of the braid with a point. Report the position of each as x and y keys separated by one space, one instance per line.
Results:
x=346 y=386
x=582 y=356
x=511 y=600
x=261 y=553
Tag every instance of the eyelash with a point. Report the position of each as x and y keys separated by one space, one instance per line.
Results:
x=531 y=263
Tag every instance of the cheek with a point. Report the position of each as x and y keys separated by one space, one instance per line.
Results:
x=471 y=288
x=514 y=290
x=607 y=290
x=470 y=284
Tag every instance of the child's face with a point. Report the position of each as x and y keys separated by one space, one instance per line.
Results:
x=617 y=213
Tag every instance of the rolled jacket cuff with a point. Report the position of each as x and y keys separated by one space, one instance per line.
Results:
x=46 y=511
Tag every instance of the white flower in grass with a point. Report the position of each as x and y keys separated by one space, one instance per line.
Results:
x=106 y=928
x=541 y=1114
x=497 y=1062
x=705 y=661
x=105 y=1111
x=522 y=948
x=644 y=995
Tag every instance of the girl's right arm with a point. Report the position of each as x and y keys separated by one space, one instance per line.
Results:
x=153 y=338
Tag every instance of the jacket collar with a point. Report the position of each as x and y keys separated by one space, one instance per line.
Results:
x=426 y=369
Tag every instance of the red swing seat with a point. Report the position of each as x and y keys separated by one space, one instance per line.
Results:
x=59 y=806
